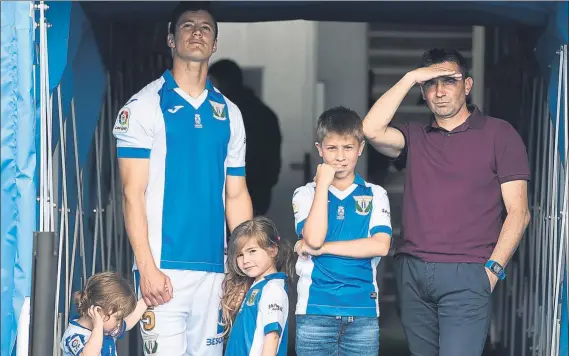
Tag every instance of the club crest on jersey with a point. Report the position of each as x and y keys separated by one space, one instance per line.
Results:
x=251 y=300
x=363 y=204
x=121 y=125
x=218 y=110
x=150 y=344
x=294 y=209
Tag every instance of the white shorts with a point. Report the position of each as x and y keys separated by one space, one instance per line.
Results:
x=188 y=323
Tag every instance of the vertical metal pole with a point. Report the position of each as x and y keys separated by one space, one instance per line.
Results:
x=44 y=271
x=112 y=161
x=79 y=180
x=555 y=268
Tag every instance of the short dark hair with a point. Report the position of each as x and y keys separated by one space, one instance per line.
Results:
x=191 y=6
x=340 y=121
x=440 y=55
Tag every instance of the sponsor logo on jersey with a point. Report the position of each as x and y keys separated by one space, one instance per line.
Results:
x=341 y=213
x=275 y=307
x=175 y=109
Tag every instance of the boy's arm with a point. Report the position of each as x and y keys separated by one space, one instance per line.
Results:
x=133 y=318
x=314 y=227
x=376 y=245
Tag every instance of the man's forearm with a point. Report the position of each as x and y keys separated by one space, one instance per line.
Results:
x=316 y=224
x=364 y=247
x=137 y=230
x=381 y=113
x=238 y=209
x=510 y=236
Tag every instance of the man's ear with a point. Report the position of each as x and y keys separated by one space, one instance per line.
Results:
x=468 y=83
x=170 y=41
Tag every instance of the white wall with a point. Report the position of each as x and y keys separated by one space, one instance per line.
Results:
x=294 y=55
x=286 y=52
x=343 y=67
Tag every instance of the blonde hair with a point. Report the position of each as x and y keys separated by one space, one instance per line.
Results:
x=236 y=283
x=109 y=291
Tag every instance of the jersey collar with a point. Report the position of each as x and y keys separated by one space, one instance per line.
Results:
x=277 y=275
x=171 y=83
x=359 y=180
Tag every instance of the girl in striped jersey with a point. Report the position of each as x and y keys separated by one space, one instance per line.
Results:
x=255 y=301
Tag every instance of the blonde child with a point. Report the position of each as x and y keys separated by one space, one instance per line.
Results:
x=255 y=300
x=107 y=308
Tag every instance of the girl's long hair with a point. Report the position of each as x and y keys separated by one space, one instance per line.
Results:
x=236 y=283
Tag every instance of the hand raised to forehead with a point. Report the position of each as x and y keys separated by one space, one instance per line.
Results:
x=422 y=75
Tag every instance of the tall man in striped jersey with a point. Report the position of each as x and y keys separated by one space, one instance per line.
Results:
x=181 y=150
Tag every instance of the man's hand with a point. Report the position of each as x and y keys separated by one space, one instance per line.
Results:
x=422 y=75
x=325 y=174
x=155 y=287
x=493 y=279
x=304 y=251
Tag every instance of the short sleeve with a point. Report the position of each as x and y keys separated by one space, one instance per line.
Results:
x=74 y=344
x=134 y=129
x=380 y=214
x=511 y=156
x=273 y=307
x=302 y=199
x=237 y=142
x=404 y=129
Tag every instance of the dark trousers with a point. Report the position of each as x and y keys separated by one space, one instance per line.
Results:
x=445 y=307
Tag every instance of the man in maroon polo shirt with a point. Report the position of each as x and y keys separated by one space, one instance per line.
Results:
x=462 y=170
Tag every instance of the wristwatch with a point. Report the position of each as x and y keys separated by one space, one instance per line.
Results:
x=496 y=268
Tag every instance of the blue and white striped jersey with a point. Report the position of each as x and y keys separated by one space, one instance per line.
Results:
x=192 y=145
x=334 y=285
x=264 y=310
x=76 y=336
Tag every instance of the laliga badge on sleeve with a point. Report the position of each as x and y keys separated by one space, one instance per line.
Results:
x=121 y=125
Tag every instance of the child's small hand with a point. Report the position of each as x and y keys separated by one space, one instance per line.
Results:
x=95 y=315
x=304 y=251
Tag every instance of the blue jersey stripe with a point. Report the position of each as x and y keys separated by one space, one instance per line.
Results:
x=273 y=327
x=382 y=228
x=133 y=152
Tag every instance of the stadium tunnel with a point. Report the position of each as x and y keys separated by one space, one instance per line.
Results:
x=67 y=67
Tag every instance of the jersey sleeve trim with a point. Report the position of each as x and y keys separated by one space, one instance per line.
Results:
x=381 y=228
x=133 y=152
x=236 y=171
x=273 y=327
